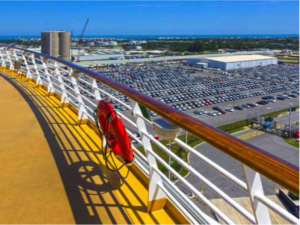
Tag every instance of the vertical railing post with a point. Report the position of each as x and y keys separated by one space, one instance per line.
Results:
x=14 y=54
x=254 y=185
x=82 y=114
x=50 y=89
x=34 y=64
x=35 y=67
x=17 y=58
x=11 y=66
x=64 y=97
x=156 y=197
x=97 y=94
x=2 y=58
x=28 y=73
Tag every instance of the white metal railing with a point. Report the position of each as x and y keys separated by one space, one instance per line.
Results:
x=84 y=95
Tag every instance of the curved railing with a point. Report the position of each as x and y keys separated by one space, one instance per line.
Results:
x=258 y=160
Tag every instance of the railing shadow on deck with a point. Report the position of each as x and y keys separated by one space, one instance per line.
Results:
x=77 y=178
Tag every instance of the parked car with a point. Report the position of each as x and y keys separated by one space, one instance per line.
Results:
x=229 y=109
x=262 y=102
x=238 y=107
x=245 y=106
x=198 y=112
x=212 y=113
x=251 y=105
x=293 y=96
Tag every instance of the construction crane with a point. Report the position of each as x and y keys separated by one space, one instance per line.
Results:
x=80 y=40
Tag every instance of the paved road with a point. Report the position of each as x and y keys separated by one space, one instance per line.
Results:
x=270 y=143
x=267 y=141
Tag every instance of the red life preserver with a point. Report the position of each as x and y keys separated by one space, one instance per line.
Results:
x=113 y=128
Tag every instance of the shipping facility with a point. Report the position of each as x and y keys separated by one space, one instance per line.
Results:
x=233 y=62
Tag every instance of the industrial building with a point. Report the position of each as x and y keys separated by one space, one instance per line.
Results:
x=56 y=43
x=233 y=62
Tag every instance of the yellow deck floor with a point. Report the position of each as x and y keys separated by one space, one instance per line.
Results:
x=52 y=169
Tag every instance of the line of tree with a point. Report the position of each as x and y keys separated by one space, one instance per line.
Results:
x=207 y=44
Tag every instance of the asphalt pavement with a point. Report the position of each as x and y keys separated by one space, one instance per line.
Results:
x=268 y=142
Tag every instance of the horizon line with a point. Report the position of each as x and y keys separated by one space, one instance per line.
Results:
x=157 y=34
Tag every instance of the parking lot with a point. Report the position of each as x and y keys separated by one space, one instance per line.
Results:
x=198 y=92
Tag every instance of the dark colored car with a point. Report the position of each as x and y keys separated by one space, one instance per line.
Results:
x=281 y=98
x=262 y=102
x=251 y=105
x=238 y=108
x=217 y=108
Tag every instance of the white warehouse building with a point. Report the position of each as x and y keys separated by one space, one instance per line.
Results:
x=235 y=62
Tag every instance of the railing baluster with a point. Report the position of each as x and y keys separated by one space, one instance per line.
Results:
x=50 y=88
x=1 y=58
x=35 y=67
x=254 y=184
x=64 y=97
x=97 y=94
x=28 y=73
x=11 y=66
x=82 y=114
x=156 y=196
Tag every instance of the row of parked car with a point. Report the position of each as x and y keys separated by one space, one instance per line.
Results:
x=183 y=106
x=277 y=73
x=219 y=111
x=184 y=91
x=153 y=78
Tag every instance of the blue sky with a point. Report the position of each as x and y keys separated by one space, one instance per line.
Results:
x=151 y=17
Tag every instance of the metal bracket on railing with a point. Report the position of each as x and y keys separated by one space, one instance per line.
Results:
x=82 y=114
x=64 y=97
x=254 y=184
x=1 y=58
x=28 y=73
x=168 y=131
x=11 y=66
x=96 y=91
x=51 y=90
x=156 y=197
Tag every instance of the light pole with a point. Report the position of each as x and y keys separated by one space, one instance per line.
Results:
x=170 y=143
x=186 y=137
x=290 y=115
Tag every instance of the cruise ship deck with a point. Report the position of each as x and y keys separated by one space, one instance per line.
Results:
x=54 y=168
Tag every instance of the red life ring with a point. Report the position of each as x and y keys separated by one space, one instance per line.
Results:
x=113 y=128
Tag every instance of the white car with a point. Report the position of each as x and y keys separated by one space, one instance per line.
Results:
x=212 y=113
x=229 y=109
x=218 y=113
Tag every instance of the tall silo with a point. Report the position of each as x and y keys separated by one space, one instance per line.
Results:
x=64 y=45
x=54 y=43
x=46 y=43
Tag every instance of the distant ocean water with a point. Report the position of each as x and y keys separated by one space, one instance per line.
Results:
x=130 y=37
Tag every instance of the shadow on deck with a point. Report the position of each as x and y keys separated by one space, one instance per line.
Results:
x=95 y=194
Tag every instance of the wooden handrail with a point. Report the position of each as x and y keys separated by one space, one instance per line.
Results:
x=268 y=165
